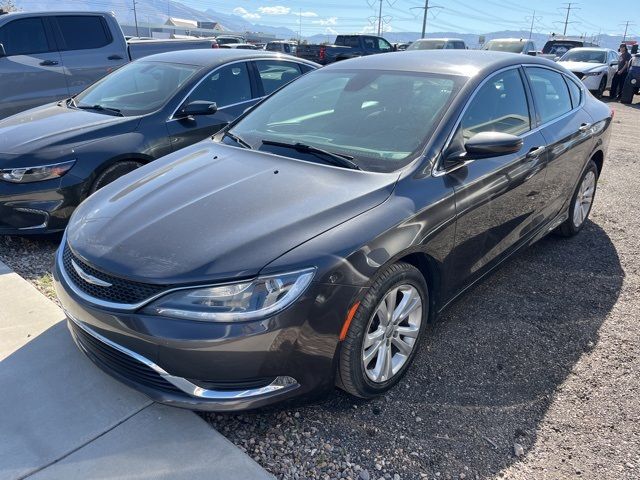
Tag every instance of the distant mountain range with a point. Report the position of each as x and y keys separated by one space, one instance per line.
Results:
x=156 y=13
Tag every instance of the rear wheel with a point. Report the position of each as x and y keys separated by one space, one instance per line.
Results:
x=385 y=332
x=113 y=172
x=581 y=202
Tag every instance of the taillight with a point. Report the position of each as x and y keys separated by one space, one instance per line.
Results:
x=323 y=51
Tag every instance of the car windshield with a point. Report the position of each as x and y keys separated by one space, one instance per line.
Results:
x=589 y=56
x=500 y=46
x=427 y=45
x=378 y=119
x=555 y=48
x=137 y=88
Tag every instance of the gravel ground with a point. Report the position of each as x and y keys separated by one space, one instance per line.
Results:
x=533 y=374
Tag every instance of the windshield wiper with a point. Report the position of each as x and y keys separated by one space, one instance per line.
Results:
x=337 y=159
x=99 y=108
x=238 y=140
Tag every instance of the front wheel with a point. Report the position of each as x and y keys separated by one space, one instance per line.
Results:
x=385 y=331
x=581 y=202
x=114 y=172
x=602 y=87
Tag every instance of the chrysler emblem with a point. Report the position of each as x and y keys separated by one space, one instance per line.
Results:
x=89 y=278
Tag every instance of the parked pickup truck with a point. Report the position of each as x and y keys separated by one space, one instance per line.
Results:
x=345 y=46
x=49 y=56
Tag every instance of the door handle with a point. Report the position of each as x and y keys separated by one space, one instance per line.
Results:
x=584 y=127
x=114 y=57
x=536 y=151
x=48 y=63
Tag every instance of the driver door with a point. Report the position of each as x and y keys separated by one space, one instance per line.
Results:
x=231 y=88
x=498 y=199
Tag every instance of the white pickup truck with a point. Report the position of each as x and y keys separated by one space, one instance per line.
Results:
x=48 y=56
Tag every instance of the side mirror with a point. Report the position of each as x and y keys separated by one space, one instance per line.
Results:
x=613 y=64
x=197 y=107
x=3 y=52
x=491 y=144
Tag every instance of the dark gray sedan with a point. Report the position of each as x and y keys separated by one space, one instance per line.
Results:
x=309 y=243
x=53 y=157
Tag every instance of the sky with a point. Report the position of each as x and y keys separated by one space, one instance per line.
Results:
x=466 y=16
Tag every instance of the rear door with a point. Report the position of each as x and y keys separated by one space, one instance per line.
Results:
x=88 y=49
x=567 y=130
x=31 y=73
x=231 y=87
x=497 y=199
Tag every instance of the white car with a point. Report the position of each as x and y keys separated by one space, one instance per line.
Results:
x=594 y=66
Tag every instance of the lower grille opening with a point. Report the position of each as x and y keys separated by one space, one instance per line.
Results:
x=233 y=385
x=120 y=363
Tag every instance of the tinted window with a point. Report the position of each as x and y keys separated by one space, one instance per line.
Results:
x=575 y=92
x=383 y=44
x=500 y=105
x=225 y=86
x=24 y=37
x=550 y=92
x=381 y=119
x=137 y=88
x=350 y=42
x=459 y=45
x=274 y=74
x=369 y=43
x=83 y=32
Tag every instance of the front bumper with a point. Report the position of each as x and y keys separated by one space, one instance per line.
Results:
x=39 y=207
x=592 y=82
x=215 y=366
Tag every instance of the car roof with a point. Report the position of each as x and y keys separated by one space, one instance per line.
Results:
x=508 y=40
x=441 y=39
x=211 y=57
x=449 y=62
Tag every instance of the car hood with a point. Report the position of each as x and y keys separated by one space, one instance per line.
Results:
x=214 y=212
x=54 y=127
x=583 y=67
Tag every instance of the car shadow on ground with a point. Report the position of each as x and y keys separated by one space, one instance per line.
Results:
x=484 y=377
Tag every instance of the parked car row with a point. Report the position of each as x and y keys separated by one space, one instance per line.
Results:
x=244 y=227
x=49 y=56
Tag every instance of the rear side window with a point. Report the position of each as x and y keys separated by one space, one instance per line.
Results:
x=500 y=105
x=550 y=93
x=274 y=74
x=25 y=36
x=83 y=32
x=575 y=92
x=350 y=42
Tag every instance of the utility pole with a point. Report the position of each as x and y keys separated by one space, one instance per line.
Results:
x=300 y=26
x=380 y=19
x=568 y=8
x=626 y=28
x=135 y=17
x=426 y=9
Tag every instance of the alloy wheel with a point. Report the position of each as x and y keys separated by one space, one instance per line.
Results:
x=584 y=199
x=391 y=333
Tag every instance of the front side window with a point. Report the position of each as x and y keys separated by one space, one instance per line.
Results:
x=83 y=32
x=550 y=92
x=380 y=119
x=137 y=88
x=459 y=45
x=274 y=74
x=500 y=105
x=24 y=36
x=384 y=45
x=225 y=86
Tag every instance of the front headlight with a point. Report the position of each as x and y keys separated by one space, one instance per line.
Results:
x=260 y=298
x=35 y=174
x=593 y=74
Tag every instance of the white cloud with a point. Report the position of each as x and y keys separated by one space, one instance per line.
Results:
x=330 y=30
x=307 y=14
x=277 y=10
x=326 y=21
x=245 y=14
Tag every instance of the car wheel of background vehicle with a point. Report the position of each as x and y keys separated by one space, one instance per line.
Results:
x=602 y=87
x=385 y=332
x=581 y=202
x=113 y=172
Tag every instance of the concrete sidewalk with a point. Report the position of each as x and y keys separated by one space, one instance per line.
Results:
x=62 y=417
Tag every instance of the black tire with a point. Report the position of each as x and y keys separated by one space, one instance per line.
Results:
x=351 y=375
x=569 y=227
x=113 y=172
